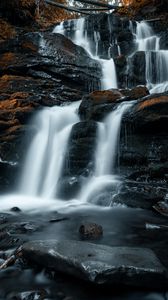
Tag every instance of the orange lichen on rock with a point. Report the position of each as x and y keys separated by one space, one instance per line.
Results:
x=105 y=96
x=7 y=80
x=6 y=59
x=6 y=30
x=13 y=129
x=132 y=7
x=8 y=104
x=152 y=102
x=19 y=95
x=29 y=46
x=6 y=124
x=51 y=15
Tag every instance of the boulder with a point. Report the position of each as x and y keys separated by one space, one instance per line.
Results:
x=138 y=195
x=90 y=231
x=98 y=104
x=151 y=114
x=99 y=264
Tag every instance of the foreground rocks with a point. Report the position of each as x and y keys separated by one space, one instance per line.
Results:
x=100 y=264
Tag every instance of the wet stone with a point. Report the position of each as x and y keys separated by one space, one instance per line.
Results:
x=16 y=209
x=3 y=219
x=90 y=231
x=99 y=264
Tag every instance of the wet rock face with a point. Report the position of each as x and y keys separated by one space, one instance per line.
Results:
x=112 y=29
x=79 y=159
x=144 y=138
x=50 y=56
x=104 y=265
x=137 y=69
x=80 y=153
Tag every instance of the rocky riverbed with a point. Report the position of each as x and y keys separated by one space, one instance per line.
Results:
x=30 y=274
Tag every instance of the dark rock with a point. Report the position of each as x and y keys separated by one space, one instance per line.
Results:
x=162 y=208
x=29 y=295
x=94 y=106
x=150 y=114
x=10 y=272
x=68 y=187
x=15 y=209
x=61 y=295
x=23 y=227
x=99 y=264
x=54 y=55
x=136 y=199
x=18 y=12
x=90 y=231
x=3 y=219
x=59 y=220
x=164 y=40
x=137 y=69
x=80 y=153
x=6 y=240
x=143 y=140
x=136 y=92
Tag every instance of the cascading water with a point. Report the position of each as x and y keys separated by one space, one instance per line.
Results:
x=109 y=76
x=54 y=125
x=106 y=152
x=108 y=137
x=156 y=59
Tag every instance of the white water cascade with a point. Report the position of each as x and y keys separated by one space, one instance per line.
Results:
x=109 y=76
x=45 y=157
x=156 y=59
x=106 y=152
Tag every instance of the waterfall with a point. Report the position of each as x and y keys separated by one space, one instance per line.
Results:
x=59 y=28
x=108 y=137
x=106 y=152
x=109 y=76
x=145 y=38
x=156 y=59
x=45 y=157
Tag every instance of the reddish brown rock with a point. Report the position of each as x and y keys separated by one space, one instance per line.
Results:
x=97 y=104
x=109 y=96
